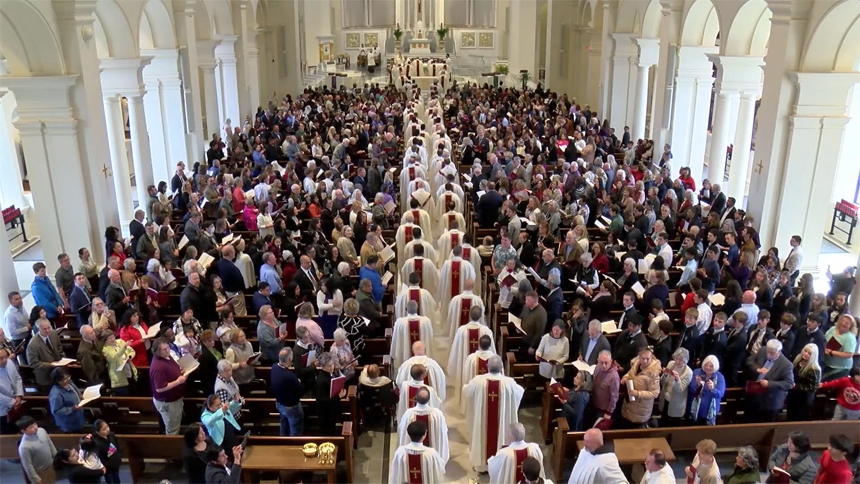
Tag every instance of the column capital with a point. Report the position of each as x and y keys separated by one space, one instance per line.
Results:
x=77 y=10
x=206 y=50
x=123 y=76
x=693 y=62
x=824 y=93
x=42 y=98
x=61 y=127
x=738 y=73
x=649 y=51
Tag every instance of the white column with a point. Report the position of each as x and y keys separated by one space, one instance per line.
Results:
x=623 y=81
x=640 y=108
x=11 y=187
x=174 y=123
x=210 y=92
x=158 y=153
x=8 y=277
x=186 y=36
x=699 y=140
x=720 y=136
x=119 y=161
x=521 y=38
x=689 y=115
x=253 y=74
x=225 y=53
x=649 y=51
x=605 y=65
x=140 y=153
x=741 y=153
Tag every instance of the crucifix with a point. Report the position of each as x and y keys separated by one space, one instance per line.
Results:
x=759 y=166
x=415 y=473
x=419 y=9
x=107 y=171
x=492 y=396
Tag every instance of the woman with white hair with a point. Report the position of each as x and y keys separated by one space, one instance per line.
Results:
x=241 y=356
x=705 y=392
x=102 y=318
x=342 y=352
x=227 y=388
x=629 y=276
x=674 y=383
x=746 y=468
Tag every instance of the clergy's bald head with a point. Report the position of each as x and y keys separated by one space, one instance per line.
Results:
x=494 y=364
x=593 y=440
x=468 y=284
x=408 y=218
x=485 y=342
x=418 y=349
x=417 y=372
x=411 y=306
x=422 y=396
x=517 y=432
x=414 y=280
x=416 y=431
x=457 y=251
x=475 y=313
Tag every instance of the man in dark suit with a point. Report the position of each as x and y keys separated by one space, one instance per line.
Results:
x=192 y=297
x=488 y=207
x=178 y=179
x=774 y=377
x=593 y=344
x=307 y=279
x=43 y=349
x=116 y=298
x=736 y=344
x=811 y=334
x=663 y=345
x=629 y=342
x=554 y=304
x=689 y=337
x=718 y=199
x=759 y=334
x=785 y=335
x=340 y=280
x=80 y=301
x=231 y=277
x=136 y=228
x=192 y=228
x=628 y=300
x=715 y=339
x=104 y=280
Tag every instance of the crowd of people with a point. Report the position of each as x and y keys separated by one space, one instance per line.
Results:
x=292 y=206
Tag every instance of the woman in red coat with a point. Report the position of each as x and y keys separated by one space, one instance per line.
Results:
x=600 y=262
x=133 y=331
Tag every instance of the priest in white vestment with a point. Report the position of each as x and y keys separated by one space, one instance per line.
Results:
x=454 y=274
x=657 y=470
x=416 y=151
x=404 y=235
x=437 y=426
x=460 y=307
x=415 y=462
x=408 y=330
x=596 y=464
x=420 y=216
x=451 y=237
x=425 y=267
x=427 y=305
x=476 y=363
x=448 y=206
x=411 y=171
x=418 y=238
x=471 y=254
x=435 y=376
x=417 y=190
x=507 y=465
x=409 y=388
x=492 y=401
x=466 y=342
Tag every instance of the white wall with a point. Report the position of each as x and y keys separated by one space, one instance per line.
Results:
x=849 y=168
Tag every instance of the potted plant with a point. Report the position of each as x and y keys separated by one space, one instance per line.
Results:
x=398 y=33
x=442 y=32
x=525 y=77
x=502 y=69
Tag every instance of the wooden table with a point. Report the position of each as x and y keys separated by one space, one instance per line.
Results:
x=271 y=458
x=633 y=452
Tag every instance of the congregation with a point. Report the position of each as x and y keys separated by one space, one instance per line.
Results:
x=326 y=256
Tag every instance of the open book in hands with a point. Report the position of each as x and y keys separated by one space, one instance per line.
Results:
x=90 y=393
x=188 y=364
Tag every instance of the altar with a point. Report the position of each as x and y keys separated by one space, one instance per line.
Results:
x=420 y=44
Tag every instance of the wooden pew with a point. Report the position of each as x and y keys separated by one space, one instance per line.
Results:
x=761 y=436
x=136 y=449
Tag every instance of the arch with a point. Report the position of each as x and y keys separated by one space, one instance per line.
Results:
x=830 y=46
x=158 y=25
x=28 y=42
x=701 y=25
x=202 y=21
x=222 y=17
x=121 y=38
x=651 y=20
x=749 y=30
x=586 y=18
x=627 y=20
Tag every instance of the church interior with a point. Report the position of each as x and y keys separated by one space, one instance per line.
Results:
x=472 y=155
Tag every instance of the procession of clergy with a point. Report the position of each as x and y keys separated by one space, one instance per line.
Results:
x=435 y=299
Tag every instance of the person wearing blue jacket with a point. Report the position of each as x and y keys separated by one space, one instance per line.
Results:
x=369 y=272
x=706 y=390
x=44 y=292
x=65 y=399
x=219 y=421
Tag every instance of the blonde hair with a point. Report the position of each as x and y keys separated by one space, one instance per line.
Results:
x=706 y=446
x=812 y=362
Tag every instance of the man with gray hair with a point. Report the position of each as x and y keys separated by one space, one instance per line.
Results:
x=490 y=395
x=773 y=377
x=90 y=356
x=116 y=296
x=595 y=344
x=287 y=389
x=507 y=464
x=407 y=330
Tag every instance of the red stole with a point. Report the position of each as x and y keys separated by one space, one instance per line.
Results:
x=426 y=420
x=474 y=337
x=451 y=219
x=414 y=331
x=411 y=173
x=455 y=277
x=415 y=295
x=493 y=407
x=407 y=233
x=467 y=253
x=455 y=239
x=482 y=366
x=447 y=199
x=521 y=455
x=416 y=215
x=418 y=266
x=465 y=307
x=415 y=474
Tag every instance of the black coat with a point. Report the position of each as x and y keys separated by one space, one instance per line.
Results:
x=663 y=351
x=803 y=337
x=787 y=340
x=487 y=209
x=713 y=344
x=627 y=347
